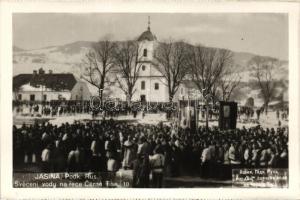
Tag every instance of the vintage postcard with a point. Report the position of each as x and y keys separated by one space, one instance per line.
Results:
x=135 y=102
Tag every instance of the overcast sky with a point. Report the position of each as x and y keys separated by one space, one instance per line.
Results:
x=263 y=34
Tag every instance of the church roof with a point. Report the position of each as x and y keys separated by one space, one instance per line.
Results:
x=147 y=35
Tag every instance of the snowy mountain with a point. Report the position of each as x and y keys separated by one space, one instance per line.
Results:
x=67 y=58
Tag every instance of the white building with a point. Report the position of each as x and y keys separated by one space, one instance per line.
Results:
x=41 y=86
x=149 y=86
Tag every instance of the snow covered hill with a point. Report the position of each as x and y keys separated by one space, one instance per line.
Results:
x=60 y=59
x=67 y=58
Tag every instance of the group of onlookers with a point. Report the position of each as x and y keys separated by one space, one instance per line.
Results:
x=159 y=150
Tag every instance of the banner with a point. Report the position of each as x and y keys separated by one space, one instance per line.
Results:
x=228 y=115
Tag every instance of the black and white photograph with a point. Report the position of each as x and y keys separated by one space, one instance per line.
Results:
x=171 y=104
x=168 y=100
x=150 y=100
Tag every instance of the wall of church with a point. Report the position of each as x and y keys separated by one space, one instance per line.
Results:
x=149 y=85
x=154 y=90
x=145 y=69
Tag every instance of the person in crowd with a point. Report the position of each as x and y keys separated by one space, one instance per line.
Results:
x=226 y=163
x=255 y=155
x=128 y=153
x=59 y=163
x=141 y=171
x=205 y=161
x=234 y=155
x=157 y=162
x=46 y=159
x=277 y=114
x=112 y=165
x=263 y=161
x=136 y=166
x=258 y=113
x=247 y=155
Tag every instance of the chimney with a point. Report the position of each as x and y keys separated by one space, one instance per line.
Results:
x=50 y=71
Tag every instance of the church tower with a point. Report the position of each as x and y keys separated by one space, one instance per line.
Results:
x=149 y=85
x=147 y=41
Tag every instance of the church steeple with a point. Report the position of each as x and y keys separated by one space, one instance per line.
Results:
x=148 y=23
x=147 y=35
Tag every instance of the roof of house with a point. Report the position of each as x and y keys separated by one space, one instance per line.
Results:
x=189 y=84
x=54 y=81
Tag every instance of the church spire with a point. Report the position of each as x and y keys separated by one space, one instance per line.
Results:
x=148 y=23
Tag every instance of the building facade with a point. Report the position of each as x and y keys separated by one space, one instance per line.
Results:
x=150 y=86
x=41 y=86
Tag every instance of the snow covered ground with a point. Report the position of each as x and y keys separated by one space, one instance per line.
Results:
x=266 y=121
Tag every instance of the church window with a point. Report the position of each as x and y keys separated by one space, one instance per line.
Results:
x=143 y=67
x=143 y=85
x=156 y=86
x=145 y=53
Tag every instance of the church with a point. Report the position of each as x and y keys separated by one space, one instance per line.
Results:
x=150 y=86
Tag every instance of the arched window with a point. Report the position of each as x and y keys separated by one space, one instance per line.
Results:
x=156 y=86
x=143 y=85
x=145 y=53
x=143 y=67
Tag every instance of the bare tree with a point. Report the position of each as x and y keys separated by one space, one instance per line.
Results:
x=263 y=71
x=126 y=58
x=97 y=64
x=207 y=67
x=228 y=83
x=215 y=93
x=172 y=58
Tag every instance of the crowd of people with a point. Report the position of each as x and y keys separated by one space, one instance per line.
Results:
x=117 y=108
x=160 y=150
x=66 y=108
